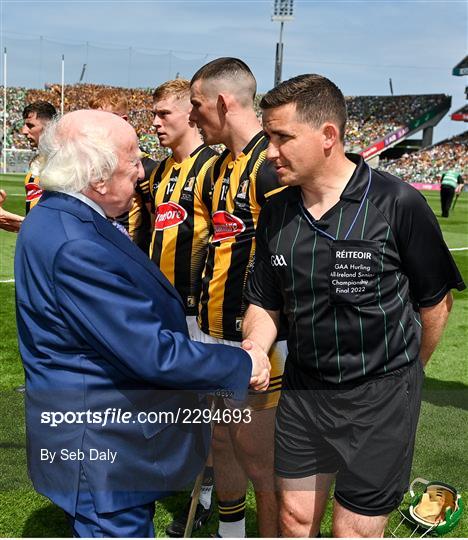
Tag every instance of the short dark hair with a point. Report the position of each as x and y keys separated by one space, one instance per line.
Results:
x=317 y=99
x=43 y=109
x=226 y=68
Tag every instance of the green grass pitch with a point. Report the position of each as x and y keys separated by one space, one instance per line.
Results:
x=441 y=449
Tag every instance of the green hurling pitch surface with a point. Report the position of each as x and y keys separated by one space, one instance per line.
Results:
x=440 y=452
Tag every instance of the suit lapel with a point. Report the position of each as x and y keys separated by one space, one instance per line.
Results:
x=72 y=205
x=111 y=233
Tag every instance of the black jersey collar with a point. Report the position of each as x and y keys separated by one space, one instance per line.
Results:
x=197 y=149
x=357 y=184
x=253 y=142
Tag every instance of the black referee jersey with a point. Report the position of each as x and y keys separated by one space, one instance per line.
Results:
x=351 y=282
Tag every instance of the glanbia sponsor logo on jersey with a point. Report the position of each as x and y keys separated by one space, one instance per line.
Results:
x=33 y=191
x=169 y=214
x=226 y=225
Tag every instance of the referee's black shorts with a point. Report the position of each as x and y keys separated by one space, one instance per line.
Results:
x=364 y=433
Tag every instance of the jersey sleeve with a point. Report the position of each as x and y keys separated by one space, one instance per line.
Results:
x=205 y=183
x=267 y=182
x=263 y=288
x=426 y=259
x=151 y=191
x=143 y=186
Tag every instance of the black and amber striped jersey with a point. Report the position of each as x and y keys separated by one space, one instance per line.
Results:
x=240 y=188
x=32 y=188
x=181 y=195
x=137 y=220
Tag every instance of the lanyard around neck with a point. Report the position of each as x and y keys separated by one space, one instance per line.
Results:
x=324 y=233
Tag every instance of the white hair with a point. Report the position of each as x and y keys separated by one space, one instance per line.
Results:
x=71 y=159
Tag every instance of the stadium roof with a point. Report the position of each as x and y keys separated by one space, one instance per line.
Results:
x=461 y=68
x=461 y=115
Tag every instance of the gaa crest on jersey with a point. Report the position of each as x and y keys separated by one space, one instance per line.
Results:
x=243 y=188
x=278 y=260
x=226 y=225
x=33 y=191
x=169 y=214
x=189 y=184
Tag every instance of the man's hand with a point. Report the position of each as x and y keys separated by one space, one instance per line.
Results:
x=261 y=366
x=8 y=221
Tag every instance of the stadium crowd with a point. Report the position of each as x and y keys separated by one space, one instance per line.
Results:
x=370 y=117
x=428 y=165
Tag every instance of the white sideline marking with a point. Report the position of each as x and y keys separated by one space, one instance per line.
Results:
x=7 y=280
x=458 y=249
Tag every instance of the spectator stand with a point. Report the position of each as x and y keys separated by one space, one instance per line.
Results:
x=413 y=114
x=427 y=165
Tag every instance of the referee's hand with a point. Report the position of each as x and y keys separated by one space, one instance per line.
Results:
x=261 y=367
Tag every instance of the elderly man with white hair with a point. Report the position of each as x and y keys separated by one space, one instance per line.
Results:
x=113 y=383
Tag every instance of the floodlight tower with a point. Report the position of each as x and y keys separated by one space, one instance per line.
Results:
x=282 y=12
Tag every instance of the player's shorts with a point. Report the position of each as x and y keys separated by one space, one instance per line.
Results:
x=267 y=399
x=364 y=433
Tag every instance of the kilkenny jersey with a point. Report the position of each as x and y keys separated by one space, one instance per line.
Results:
x=181 y=197
x=32 y=188
x=137 y=220
x=240 y=189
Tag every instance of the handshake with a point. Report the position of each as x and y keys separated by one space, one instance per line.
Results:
x=261 y=366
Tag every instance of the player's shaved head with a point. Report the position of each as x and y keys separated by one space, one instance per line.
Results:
x=80 y=148
x=228 y=75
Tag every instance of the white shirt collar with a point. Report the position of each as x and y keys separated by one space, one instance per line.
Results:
x=87 y=201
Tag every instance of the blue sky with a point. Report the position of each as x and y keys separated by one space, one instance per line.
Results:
x=358 y=44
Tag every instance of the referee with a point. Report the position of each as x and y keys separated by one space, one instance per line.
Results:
x=344 y=252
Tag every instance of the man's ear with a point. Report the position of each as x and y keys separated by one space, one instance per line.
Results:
x=100 y=187
x=330 y=134
x=223 y=103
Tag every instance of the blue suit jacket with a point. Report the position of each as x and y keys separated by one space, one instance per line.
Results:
x=100 y=327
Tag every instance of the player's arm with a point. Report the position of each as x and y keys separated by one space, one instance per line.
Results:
x=263 y=292
x=433 y=321
x=260 y=325
x=8 y=221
